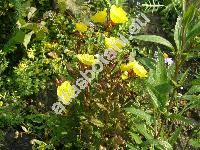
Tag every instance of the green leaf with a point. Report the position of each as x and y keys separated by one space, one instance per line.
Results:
x=177 y=33
x=16 y=39
x=143 y=130
x=183 y=77
x=195 y=143
x=175 y=136
x=155 y=39
x=27 y=38
x=194 y=32
x=96 y=122
x=160 y=144
x=136 y=137
x=153 y=93
x=141 y=114
x=194 y=89
x=189 y=15
x=182 y=119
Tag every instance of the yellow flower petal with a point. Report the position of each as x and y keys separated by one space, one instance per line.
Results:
x=100 y=16
x=114 y=43
x=65 y=92
x=1 y=103
x=139 y=69
x=87 y=59
x=127 y=67
x=118 y=15
x=124 y=76
x=136 y=67
x=165 y=55
x=81 y=27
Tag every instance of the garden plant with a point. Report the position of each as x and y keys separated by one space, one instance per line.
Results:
x=99 y=74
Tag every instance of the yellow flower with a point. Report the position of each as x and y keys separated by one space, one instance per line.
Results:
x=118 y=15
x=81 y=27
x=22 y=66
x=87 y=59
x=114 y=43
x=165 y=55
x=127 y=67
x=124 y=76
x=1 y=103
x=139 y=69
x=65 y=92
x=100 y=16
x=30 y=54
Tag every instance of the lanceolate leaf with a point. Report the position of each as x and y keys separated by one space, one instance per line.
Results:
x=194 y=32
x=141 y=114
x=175 y=136
x=155 y=39
x=177 y=36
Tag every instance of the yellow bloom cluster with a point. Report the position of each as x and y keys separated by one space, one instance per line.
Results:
x=114 y=43
x=117 y=15
x=100 y=16
x=138 y=69
x=1 y=103
x=81 y=27
x=30 y=54
x=65 y=92
x=87 y=59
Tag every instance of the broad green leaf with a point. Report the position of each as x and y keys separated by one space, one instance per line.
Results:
x=19 y=37
x=141 y=114
x=27 y=38
x=155 y=39
x=16 y=39
x=175 y=136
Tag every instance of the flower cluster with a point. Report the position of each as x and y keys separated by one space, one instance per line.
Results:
x=113 y=45
x=134 y=66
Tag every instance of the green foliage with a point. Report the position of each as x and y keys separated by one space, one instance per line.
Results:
x=38 y=48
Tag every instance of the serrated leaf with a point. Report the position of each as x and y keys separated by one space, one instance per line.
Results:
x=155 y=39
